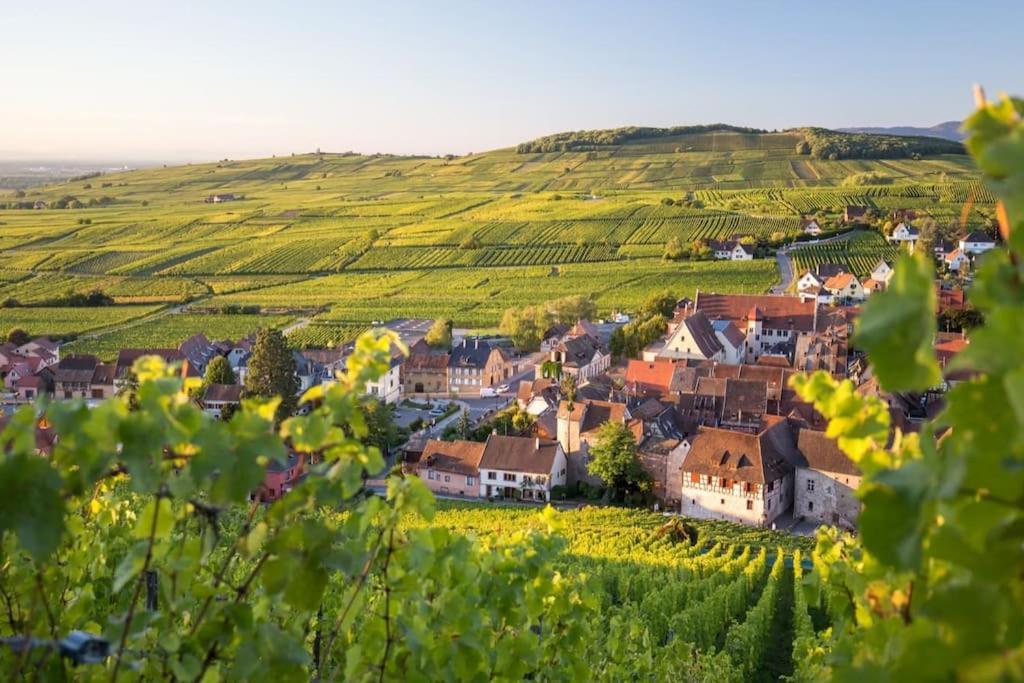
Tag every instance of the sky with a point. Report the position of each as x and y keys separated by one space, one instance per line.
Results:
x=197 y=81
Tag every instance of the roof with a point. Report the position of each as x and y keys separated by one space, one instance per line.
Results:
x=703 y=334
x=459 y=457
x=519 y=454
x=979 y=236
x=775 y=312
x=592 y=414
x=731 y=333
x=30 y=382
x=104 y=373
x=819 y=452
x=471 y=354
x=748 y=396
x=653 y=374
x=579 y=351
x=527 y=389
x=753 y=458
x=827 y=270
x=954 y=255
x=946 y=349
x=856 y=210
x=75 y=369
x=231 y=393
x=840 y=281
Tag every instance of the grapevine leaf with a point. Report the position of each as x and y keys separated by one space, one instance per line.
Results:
x=31 y=504
x=897 y=328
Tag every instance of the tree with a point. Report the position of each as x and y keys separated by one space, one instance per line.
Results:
x=523 y=327
x=219 y=371
x=18 y=336
x=663 y=304
x=551 y=369
x=381 y=430
x=469 y=242
x=675 y=250
x=440 y=334
x=567 y=386
x=271 y=372
x=614 y=460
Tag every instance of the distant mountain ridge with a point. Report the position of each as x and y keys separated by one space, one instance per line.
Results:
x=948 y=130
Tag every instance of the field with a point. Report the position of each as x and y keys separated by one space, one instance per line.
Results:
x=69 y=321
x=170 y=330
x=721 y=587
x=860 y=253
x=365 y=238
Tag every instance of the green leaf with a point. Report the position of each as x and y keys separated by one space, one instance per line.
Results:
x=31 y=504
x=161 y=525
x=897 y=328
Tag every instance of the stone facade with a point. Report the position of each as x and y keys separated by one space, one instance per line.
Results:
x=826 y=497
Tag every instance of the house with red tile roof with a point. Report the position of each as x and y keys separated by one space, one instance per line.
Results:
x=767 y=322
x=696 y=337
x=738 y=476
x=451 y=468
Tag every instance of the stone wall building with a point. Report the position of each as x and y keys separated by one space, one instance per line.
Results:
x=826 y=481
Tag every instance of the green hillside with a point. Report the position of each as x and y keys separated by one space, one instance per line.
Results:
x=363 y=238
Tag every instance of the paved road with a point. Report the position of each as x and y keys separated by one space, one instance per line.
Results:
x=786 y=264
x=297 y=325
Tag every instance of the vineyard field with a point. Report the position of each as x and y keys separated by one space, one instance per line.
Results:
x=860 y=253
x=46 y=321
x=369 y=237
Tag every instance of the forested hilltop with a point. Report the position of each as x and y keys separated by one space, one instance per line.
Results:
x=819 y=143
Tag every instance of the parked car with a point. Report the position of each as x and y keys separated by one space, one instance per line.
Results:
x=504 y=389
x=439 y=409
x=487 y=392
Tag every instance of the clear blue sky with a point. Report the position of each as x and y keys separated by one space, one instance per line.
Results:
x=184 y=80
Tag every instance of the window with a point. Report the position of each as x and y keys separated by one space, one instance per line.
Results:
x=750 y=505
x=810 y=506
x=509 y=476
x=492 y=475
x=470 y=481
x=810 y=484
x=771 y=486
x=768 y=505
x=693 y=501
x=430 y=474
x=722 y=501
x=447 y=478
x=694 y=478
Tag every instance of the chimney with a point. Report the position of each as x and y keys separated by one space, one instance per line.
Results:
x=536 y=443
x=476 y=343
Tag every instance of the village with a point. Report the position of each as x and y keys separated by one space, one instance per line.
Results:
x=717 y=430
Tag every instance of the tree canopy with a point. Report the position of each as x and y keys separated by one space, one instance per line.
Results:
x=271 y=372
x=614 y=460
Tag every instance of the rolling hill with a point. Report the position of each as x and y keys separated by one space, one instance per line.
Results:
x=950 y=130
x=356 y=238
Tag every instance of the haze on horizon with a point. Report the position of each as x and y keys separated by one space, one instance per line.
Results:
x=190 y=82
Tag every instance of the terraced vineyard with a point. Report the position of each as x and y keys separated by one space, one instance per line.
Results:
x=860 y=253
x=679 y=595
x=369 y=237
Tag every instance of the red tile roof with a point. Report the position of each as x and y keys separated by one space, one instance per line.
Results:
x=774 y=312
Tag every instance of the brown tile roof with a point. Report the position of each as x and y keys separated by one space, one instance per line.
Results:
x=754 y=458
x=223 y=392
x=579 y=351
x=519 y=454
x=711 y=386
x=819 y=452
x=527 y=389
x=655 y=375
x=458 y=457
x=748 y=396
x=104 y=374
x=75 y=369
x=703 y=335
x=775 y=312
x=593 y=414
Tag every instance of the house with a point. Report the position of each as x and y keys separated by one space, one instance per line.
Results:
x=905 y=233
x=73 y=376
x=553 y=335
x=102 y=385
x=950 y=299
x=956 y=259
x=855 y=214
x=977 y=242
x=39 y=204
x=662 y=458
x=882 y=272
x=697 y=337
x=825 y=482
x=198 y=351
x=425 y=371
x=769 y=323
x=126 y=359
x=451 y=468
x=219 y=398
x=475 y=365
x=42 y=347
x=738 y=476
x=281 y=477
x=650 y=377
x=218 y=198
x=731 y=250
x=810 y=226
x=31 y=387
x=943 y=247
x=521 y=468
x=844 y=288
x=537 y=396
x=582 y=357
x=577 y=425
x=816 y=277
x=870 y=286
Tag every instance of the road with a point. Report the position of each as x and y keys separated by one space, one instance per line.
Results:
x=786 y=264
x=297 y=325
